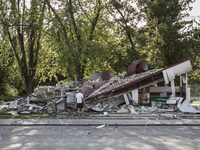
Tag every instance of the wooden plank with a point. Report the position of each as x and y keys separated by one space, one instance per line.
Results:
x=163 y=89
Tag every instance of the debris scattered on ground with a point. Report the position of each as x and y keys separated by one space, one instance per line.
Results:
x=128 y=92
x=101 y=126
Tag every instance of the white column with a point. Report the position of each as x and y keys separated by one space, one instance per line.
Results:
x=186 y=93
x=181 y=84
x=173 y=88
x=61 y=92
x=181 y=81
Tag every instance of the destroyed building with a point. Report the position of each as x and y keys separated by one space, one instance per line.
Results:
x=127 y=92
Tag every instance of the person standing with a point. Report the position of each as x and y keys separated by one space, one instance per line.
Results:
x=79 y=102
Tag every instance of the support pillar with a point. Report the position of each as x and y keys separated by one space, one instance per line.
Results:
x=173 y=87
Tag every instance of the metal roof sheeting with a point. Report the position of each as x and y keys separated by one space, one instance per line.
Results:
x=186 y=107
x=95 y=76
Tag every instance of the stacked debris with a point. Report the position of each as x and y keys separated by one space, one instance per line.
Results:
x=126 y=92
x=119 y=80
x=47 y=99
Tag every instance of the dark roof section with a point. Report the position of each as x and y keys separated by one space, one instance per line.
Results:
x=136 y=67
x=105 y=75
x=87 y=89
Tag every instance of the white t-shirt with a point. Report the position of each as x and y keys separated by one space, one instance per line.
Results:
x=79 y=97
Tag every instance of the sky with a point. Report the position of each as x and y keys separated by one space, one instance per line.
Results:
x=196 y=9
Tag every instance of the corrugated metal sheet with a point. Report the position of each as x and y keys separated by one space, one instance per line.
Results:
x=95 y=76
x=97 y=85
x=105 y=75
x=186 y=107
x=136 y=67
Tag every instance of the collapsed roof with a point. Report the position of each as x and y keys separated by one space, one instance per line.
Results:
x=135 y=81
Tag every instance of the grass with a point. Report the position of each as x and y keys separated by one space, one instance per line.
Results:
x=195 y=100
x=4 y=115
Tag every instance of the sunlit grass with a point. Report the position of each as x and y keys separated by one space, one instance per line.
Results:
x=31 y=116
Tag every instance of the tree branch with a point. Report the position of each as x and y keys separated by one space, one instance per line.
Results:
x=114 y=17
x=94 y=21
x=59 y=20
x=84 y=12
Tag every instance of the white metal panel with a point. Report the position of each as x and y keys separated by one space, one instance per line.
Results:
x=135 y=95
x=169 y=74
x=187 y=108
x=126 y=99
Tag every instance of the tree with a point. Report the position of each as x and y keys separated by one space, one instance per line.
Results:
x=75 y=33
x=127 y=18
x=10 y=79
x=167 y=31
x=23 y=27
x=194 y=43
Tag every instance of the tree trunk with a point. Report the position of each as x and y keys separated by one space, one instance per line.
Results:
x=78 y=72
x=29 y=84
x=78 y=36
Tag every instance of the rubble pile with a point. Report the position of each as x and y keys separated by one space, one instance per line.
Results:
x=61 y=97
x=120 y=80
x=46 y=99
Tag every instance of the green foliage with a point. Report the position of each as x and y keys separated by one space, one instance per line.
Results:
x=7 y=98
x=166 y=42
x=48 y=41
x=195 y=89
x=22 y=26
x=3 y=115
x=195 y=54
x=10 y=79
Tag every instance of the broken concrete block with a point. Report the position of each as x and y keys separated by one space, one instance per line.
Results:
x=14 y=113
x=123 y=110
x=4 y=107
x=105 y=113
x=13 y=105
x=51 y=107
x=131 y=109
x=71 y=97
x=61 y=106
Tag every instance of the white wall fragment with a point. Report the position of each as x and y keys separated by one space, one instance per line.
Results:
x=126 y=99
